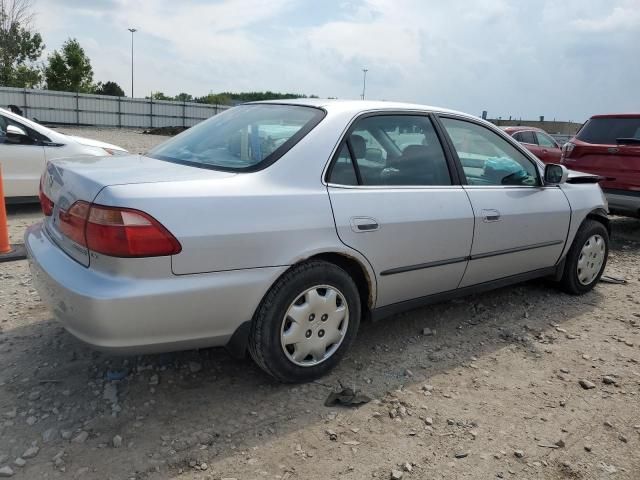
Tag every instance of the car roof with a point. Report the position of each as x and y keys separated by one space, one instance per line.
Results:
x=357 y=106
x=521 y=128
x=617 y=115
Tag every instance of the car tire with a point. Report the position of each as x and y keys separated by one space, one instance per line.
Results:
x=586 y=259
x=299 y=315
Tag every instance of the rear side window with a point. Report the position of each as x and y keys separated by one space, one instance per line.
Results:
x=608 y=130
x=342 y=170
x=244 y=138
x=525 y=137
x=391 y=150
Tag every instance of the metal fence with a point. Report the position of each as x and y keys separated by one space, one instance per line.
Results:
x=66 y=108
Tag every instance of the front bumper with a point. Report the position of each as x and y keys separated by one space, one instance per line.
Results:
x=142 y=315
x=623 y=204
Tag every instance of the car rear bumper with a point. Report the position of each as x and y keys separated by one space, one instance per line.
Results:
x=623 y=203
x=134 y=315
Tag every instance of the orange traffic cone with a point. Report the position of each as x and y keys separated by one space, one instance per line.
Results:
x=7 y=251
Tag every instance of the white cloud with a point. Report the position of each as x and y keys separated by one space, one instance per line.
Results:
x=525 y=58
x=621 y=18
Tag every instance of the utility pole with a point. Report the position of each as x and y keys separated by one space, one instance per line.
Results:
x=132 y=30
x=364 y=81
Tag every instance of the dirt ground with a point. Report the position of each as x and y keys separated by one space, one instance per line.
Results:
x=492 y=392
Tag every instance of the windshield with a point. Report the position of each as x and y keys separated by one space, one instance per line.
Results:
x=607 y=130
x=244 y=138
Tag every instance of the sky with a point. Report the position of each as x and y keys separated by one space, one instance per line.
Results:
x=564 y=59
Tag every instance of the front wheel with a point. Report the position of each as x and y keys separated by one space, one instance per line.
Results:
x=586 y=259
x=306 y=322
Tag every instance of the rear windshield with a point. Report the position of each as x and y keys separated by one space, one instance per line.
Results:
x=243 y=138
x=608 y=130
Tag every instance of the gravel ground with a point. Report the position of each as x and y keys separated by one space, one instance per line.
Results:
x=130 y=139
x=491 y=390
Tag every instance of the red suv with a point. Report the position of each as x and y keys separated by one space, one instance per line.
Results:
x=609 y=146
x=537 y=141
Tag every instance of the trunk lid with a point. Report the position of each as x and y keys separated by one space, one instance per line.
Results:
x=66 y=181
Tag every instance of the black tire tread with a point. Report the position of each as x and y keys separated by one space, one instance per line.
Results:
x=260 y=324
x=569 y=282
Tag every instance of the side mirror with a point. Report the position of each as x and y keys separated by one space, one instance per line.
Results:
x=16 y=134
x=555 y=174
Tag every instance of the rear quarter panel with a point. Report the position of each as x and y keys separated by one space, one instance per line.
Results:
x=274 y=217
x=242 y=222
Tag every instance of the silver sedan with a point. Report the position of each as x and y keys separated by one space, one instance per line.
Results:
x=276 y=227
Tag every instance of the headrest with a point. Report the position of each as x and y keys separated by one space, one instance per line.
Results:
x=413 y=151
x=359 y=146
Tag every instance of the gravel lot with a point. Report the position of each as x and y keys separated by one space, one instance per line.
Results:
x=132 y=140
x=491 y=390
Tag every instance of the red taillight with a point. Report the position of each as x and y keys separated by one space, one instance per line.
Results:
x=567 y=148
x=123 y=232
x=45 y=202
x=73 y=220
x=117 y=232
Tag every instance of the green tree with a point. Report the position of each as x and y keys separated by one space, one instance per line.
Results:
x=184 y=97
x=20 y=46
x=159 y=96
x=70 y=69
x=109 y=88
x=226 y=98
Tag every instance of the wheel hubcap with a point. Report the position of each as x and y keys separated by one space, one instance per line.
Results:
x=591 y=259
x=306 y=341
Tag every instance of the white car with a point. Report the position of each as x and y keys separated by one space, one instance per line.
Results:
x=26 y=147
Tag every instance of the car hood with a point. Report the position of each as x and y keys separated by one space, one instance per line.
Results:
x=89 y=142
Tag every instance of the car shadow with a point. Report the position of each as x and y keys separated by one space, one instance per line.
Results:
x=626 y=234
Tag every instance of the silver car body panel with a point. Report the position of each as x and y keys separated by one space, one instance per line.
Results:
x=585 y=199
x=240 y=232
x=418 y=240
x=518 y=229
x=142 y=307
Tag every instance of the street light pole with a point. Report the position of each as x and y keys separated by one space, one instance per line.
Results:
x=364 y=81
x=132 y=30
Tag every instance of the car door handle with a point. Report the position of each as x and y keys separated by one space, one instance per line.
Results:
x=490 y=215
x=364 y=224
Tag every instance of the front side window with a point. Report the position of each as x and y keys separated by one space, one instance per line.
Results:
x=391 y=150
x=30 y=139
x=243 y=138
x=545 y=140
x=487 y=158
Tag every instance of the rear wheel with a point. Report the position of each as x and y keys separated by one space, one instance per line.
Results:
x=586 y=259
x=306 y=322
